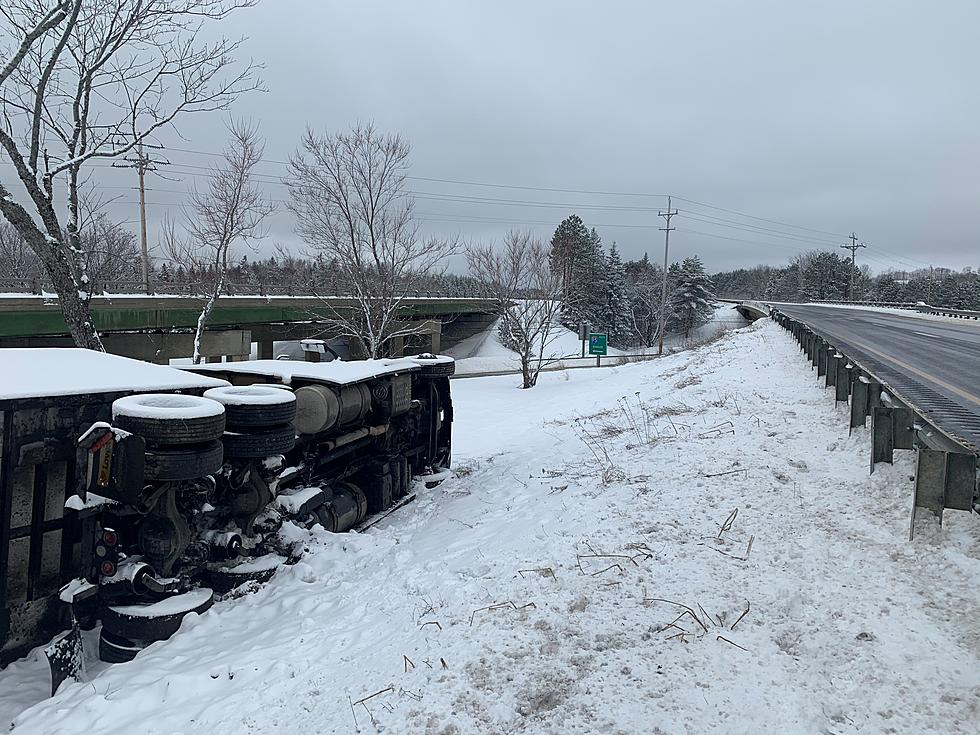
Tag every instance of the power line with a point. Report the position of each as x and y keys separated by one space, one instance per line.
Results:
x=761 y=219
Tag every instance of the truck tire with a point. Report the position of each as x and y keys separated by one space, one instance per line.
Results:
x=114 y=649
x=143 y=622
x=259 y=570
x=434 y=366
x=248 y=406
x=183 y=463
x=258 y=444
x=170 y=418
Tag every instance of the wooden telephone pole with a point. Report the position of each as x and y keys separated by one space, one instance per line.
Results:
x=143 y=163
x=853 y=247
x=663 y=294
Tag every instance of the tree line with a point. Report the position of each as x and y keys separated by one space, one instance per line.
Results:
x=624 y=299
x=826 y=276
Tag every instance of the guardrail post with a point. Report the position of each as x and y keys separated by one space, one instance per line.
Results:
x=882 y=435
x=842 y=381
x=904 y=431
x=859 y=402
x=961 y=481
x=822 y=355
x=833 y=356
x=874 y=395
x=815 y=351
x=930 y=480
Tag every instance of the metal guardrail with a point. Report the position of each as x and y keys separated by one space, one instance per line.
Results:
x=947 y=472
x=918 y=306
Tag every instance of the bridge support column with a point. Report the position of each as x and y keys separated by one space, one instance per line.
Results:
x=266 y=349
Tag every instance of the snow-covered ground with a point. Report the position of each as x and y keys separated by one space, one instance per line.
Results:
x=687 y=545
x=484 y=353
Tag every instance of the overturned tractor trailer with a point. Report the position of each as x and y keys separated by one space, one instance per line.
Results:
x=134 y=494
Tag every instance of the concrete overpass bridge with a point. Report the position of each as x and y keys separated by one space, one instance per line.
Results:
x=158 y=328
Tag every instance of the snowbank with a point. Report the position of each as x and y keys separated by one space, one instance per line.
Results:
x=585 y=572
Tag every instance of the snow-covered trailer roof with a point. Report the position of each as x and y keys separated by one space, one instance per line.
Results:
x=45 y=372
x=288 y=372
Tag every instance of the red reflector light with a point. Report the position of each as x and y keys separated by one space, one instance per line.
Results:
x=108 y=568
x=110 y=538
x=101 y=442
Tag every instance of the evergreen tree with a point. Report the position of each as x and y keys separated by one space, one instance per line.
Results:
x=576 y=256
x=690 y=303
x=615 y=316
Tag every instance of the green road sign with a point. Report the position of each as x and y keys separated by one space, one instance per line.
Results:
x=597 y=343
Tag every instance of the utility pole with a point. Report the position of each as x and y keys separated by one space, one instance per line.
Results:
x=853 y=247
x=663 y=294
x=142 y=164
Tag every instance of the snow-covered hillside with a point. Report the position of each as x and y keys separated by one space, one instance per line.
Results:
x=687 y=545
x=483 y=353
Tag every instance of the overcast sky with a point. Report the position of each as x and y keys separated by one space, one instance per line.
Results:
x=832 y=116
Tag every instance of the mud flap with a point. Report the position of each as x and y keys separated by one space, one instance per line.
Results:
x=64 y=656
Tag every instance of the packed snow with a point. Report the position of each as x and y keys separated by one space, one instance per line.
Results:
x=251 y=395
x=335 y=372
x=686 y=545
x=56 y=371
x=166 y=406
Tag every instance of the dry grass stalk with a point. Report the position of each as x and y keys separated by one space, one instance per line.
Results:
x=687 y=610
x=723 y=638
x=727 y=525
x=499 y=606
x=744 y=557
x=747 y=606
x=541 y=572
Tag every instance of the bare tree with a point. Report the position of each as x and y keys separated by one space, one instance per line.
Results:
x=108 y=253
x=91 y=79
x=229 y=212
x=527 y=294
x=348 y=192
x=646 y=305
x=17 y=261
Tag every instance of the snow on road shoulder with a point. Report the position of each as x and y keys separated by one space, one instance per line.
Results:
x=586 y=571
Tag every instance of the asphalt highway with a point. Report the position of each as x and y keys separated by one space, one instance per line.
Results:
x=933 y=363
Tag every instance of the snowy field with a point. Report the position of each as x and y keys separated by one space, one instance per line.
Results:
x=586 y=571
x=484 y=353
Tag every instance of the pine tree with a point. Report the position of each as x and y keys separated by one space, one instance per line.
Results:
x=576 y=256
x=690 y=303
x=615 y=311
